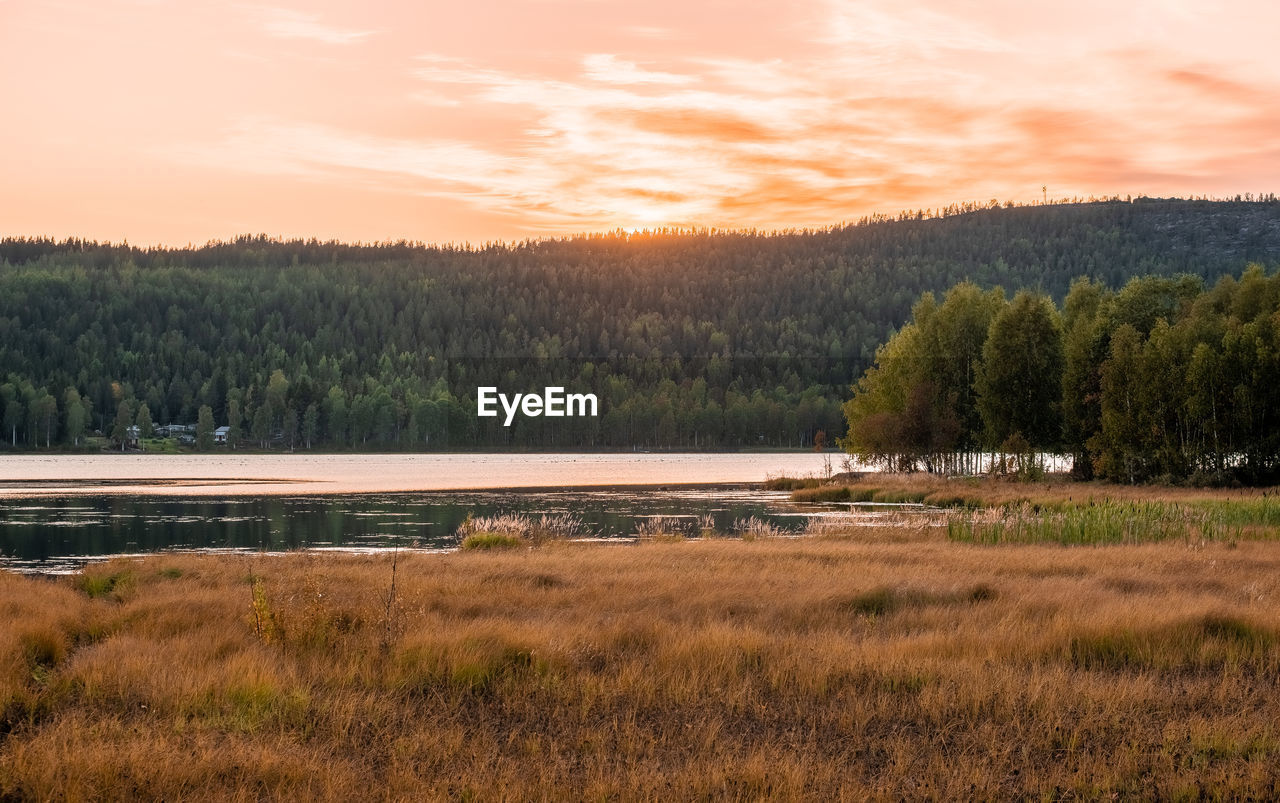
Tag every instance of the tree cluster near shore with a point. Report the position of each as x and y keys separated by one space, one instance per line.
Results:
x=1160 y=380
x=689 y=339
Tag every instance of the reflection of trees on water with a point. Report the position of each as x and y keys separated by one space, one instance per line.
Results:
x=51 y=529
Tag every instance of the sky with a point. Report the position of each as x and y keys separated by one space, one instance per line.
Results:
x=180 y=122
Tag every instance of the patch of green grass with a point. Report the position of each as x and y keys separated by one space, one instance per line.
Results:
x=1263 y=512
x=247 y=706
x=905 y=683
x=876 y=602
x=162 y=446
x=1101 y=522
x=477 y=665
x=483 y=663
x=898 y=497
x=98 y=583
x=43 y=649
x=953 y=500
x=884 y=601
x=833 y=493
x=1210 y=642
x=481 y=541
x=790 y=483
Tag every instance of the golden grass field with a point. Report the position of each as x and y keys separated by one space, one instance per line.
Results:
x=891 y=664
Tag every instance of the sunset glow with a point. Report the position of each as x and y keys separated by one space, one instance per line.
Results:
x=172 y=123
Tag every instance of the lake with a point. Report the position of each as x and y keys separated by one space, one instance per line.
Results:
x=231 y=474
x=58 y=512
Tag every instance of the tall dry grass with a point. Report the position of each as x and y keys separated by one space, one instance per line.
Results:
x=517 y=530
x=822 y=668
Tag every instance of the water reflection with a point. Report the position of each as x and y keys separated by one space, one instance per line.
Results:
x=55 y=534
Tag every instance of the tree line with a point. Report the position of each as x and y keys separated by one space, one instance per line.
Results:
x=692 y=339
x=1161 y=380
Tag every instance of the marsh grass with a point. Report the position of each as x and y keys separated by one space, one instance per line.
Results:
x=1112 y=522
x=751 y=528
x=834 y=493
x=105 y=581
x=516 y=529
x=785 y=483
x=492 y=541
x=1258 y=505
x=1103 y=523
x=665 y=528
x=886 y=600
x=714 y=668
x=1209 y=642
x=995 y=511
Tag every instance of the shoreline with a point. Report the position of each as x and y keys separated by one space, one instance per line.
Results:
x=282 y=475
x=163 y=487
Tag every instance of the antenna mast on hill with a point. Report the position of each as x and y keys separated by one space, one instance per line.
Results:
x=1045 y=189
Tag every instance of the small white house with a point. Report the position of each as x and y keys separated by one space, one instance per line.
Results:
x=220 y=434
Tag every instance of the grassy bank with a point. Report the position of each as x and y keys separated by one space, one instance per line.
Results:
x=980 y=492
x=987 y=510
x=708 y=668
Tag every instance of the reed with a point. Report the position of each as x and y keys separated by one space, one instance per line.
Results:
x=517 y=529
x=752 y=528
x=995 y=511
x=785 y=483
x=1099 y=523
x=1055 y=491
x=663 y=528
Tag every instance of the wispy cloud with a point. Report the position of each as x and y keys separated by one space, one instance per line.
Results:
x=770 y=143
x=651 y=32
x=286 y=23
x=608 y=68
x=503 y=119
x=894 y=27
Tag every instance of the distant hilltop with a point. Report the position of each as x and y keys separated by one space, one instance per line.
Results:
x=690 y=339
x=1250 y=225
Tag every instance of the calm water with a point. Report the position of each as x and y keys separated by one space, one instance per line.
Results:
x=227 y=473
x=55 y=534
x=58 y=512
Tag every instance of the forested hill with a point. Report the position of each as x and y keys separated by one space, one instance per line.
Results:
x=690 y=339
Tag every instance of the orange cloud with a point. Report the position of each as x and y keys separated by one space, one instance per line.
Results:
x=1216 y=87
x=697 y=124
x=491 y=119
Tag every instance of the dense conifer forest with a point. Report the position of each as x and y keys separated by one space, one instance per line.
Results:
x=690 y=339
